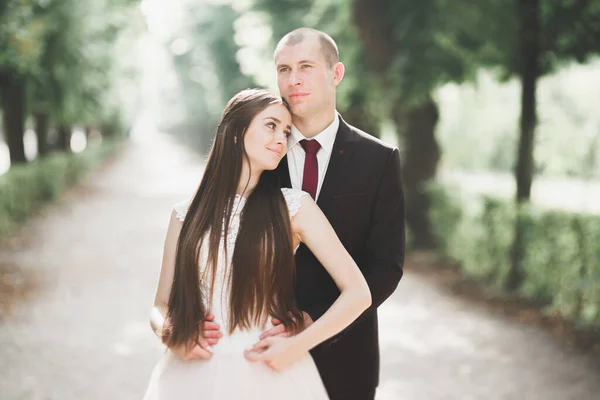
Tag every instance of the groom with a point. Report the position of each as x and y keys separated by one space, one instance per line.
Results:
x=356 y=181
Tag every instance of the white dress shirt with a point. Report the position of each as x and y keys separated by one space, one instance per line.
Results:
x=296 y=154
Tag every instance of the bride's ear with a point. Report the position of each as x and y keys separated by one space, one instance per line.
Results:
x=338 y=73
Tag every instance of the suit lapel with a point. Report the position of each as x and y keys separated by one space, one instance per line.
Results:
x=339 y=165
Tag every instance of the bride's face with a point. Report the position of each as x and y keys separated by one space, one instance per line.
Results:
x=265 y=140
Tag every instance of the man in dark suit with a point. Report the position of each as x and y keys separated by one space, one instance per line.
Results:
x=356 y=181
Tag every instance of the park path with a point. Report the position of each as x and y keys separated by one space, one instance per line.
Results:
x=85 y=271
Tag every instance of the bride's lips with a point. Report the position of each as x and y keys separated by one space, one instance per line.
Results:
x=279 y=153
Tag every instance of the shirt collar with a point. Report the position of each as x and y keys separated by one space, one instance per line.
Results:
x=326 y=137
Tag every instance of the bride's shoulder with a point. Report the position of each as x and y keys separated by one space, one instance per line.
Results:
x=181 y=209
x=293 y=199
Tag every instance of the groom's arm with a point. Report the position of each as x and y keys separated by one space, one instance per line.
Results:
x=383 y=258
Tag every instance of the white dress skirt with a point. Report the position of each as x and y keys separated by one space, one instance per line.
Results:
x=228 y=375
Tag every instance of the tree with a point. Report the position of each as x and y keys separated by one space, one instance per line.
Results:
x=20 y=33
x=529 y=39
x=414 y=47
x=56 y=59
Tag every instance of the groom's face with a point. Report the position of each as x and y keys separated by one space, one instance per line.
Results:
x=304 y=78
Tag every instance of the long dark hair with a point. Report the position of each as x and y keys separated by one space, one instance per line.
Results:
x=262 y=266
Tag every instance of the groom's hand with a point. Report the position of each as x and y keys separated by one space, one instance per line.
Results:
x=212 y=330
x=279 y=329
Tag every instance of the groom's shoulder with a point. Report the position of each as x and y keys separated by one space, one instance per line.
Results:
x=369 y=142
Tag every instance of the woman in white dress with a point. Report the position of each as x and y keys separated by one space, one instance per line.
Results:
x=230 y=253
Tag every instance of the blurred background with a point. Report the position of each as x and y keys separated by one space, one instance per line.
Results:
x=491 y=103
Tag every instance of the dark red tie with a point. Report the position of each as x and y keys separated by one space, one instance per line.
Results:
x=310 y=181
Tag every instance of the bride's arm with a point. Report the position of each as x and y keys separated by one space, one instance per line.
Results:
x=314 y=230
x=311 y=226
x=163 y=292
x=165 y=280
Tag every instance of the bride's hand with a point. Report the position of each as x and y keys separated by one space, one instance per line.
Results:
x=200 y=350
x=276 y=352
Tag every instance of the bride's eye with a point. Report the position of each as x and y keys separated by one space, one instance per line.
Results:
x=271 y=125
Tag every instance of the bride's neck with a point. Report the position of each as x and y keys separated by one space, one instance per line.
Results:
x=247 y=182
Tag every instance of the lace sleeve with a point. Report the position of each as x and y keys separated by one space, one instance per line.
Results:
x=292 y=199
x=181 y=210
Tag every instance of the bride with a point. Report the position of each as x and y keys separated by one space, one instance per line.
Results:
x=229 y=252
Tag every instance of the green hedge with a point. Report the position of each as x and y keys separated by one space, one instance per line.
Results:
x=561 y=260
x=24 y=188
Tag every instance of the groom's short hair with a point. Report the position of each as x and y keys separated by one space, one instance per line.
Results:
x=328 y=45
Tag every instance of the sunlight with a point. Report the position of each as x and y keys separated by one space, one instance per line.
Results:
x=31 y=145
x=253 y=35
x=162 y=17
x=78 y=140
x=4 y=158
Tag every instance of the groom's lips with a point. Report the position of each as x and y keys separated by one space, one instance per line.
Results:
x=298 y=95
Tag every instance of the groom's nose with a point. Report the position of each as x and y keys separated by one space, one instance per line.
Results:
x=295 y=79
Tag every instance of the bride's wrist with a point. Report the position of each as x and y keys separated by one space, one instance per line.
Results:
x=301 y=342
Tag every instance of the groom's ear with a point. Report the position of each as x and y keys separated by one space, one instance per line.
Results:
x=338 y=73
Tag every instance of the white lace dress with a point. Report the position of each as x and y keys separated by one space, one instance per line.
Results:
x=228 y=375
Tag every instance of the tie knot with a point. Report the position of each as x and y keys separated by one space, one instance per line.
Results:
x=310 y=146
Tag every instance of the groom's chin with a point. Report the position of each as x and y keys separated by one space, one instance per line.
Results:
x=299 y=109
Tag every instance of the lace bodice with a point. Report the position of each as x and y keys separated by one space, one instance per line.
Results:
x=218 y=304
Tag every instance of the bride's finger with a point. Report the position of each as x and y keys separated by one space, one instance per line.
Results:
x=211 y=326
x=203 y=343
x=279 y=329
x=201 y=353
x=213 y=334
x=209 y=317
x=254 y=356
x=263 y=344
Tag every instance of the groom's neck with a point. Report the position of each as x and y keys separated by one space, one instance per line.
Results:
x=311 y=126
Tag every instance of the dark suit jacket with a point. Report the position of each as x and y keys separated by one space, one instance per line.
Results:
x=363 y=200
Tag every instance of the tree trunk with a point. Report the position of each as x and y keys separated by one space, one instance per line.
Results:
x=529 y=22
x=529 y=73
x=422 y=154
x=64 y=138
x=13 y=114
x=41 y=130
x=357 y=115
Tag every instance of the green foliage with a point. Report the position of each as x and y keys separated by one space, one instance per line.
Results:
x=562 y=250
x=21 y=30
x=65 y=52
x=25 y=188
x=285 y=16
x=568 y=31
x=416 y=47
x=447 y=212
x=204 y=56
